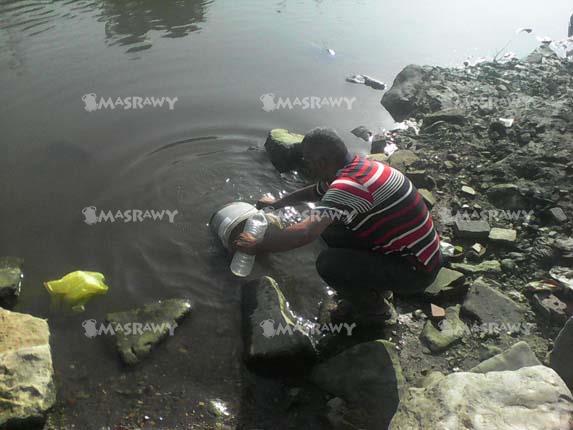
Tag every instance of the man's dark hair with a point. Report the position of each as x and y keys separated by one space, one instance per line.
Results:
x=327 y=143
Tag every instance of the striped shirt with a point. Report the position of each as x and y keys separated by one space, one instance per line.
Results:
x=381 y=206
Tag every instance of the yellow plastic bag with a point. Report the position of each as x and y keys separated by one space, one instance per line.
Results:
x=76 y=288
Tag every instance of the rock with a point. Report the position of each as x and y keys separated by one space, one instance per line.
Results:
x=557 y=216
x=272 y=334
x=380 y=157
x=451 y=330
x=428 y=197
x=10 y=280
x=550 y=307
x=508 y=265
x=368 y=376
x=362 y=132
x=146 y=327
x=284 y=149
x=517 y=356
x=488 y=351
x=503 y=236
x=492 y=266
x=475 y=230
x=403 y=98
x=402 y=159
x=447 y=283
x=421 y=179
x=530 y=398
x=27 y=387
x=561 y=356
x=451 y=116
x=468 y=190
x=336 y=412
x=507 y=196
x=493 y=308
x=437 y=312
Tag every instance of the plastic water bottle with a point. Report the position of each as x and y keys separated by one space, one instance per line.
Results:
x=242 y=263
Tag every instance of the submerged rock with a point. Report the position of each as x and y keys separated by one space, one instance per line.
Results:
x=137 y=331
x=561 y=356
x=273 y=334
x=27 y=387
x=368 y=376
x=517 y=356
x=284 y=149
x=529 y=398
x=10 y=280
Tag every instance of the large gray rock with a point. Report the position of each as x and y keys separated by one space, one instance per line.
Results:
x=10 y=280
x=137 y=331
x=284 y=149
x=518 y=356
x=493 y=308
x=448 y=283
x=530 y=398
x=273 y=334
x=27 y=388
x=507 y=196
x=472 y=229
x=561 y=356
x=368 y=376
x=502 y=236
x=403 y=98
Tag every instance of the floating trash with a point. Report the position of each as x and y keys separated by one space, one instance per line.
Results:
x=524 y=30
x=367 y=80
x=76 y=289
x=390 y=148
x=330 y=52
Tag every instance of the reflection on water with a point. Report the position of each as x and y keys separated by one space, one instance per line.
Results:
x=129 y=22
x=126 y=22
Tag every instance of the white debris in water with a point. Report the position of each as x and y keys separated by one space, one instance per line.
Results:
x=524 y=30
x=311 y=205
x=331 y=52
x=227 y=180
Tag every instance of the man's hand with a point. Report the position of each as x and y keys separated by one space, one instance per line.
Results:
x=246 y=243
x=265 y=201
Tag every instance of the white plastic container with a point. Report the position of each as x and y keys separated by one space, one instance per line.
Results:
x=226 y=220
x=242 y=263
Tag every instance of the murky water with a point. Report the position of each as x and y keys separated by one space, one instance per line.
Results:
x=219 y=58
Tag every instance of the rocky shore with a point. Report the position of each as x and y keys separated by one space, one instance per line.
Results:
x=489 y=147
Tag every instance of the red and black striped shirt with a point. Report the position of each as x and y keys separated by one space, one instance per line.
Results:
x=380 y=205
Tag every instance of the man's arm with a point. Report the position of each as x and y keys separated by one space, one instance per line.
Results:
x=306 y=194
x=277 y=240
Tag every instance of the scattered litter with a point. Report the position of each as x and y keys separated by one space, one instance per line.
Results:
x=507 y=122
x=362 y=132
x=405 y=125
x=390 y=148
x=227 y=180
x=564 y=275
x=330 y=52
x=447 y=249
x=539 y=286
x=367 y=80
x=76 y=289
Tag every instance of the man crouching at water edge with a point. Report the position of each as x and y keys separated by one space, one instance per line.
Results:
x=379 y=232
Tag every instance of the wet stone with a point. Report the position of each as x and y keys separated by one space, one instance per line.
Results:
x=478 y=229
x=10 y=280
x=449 y=331
x=447 y=283
x=492 y=266
x=284 y=149
x=156 y=321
